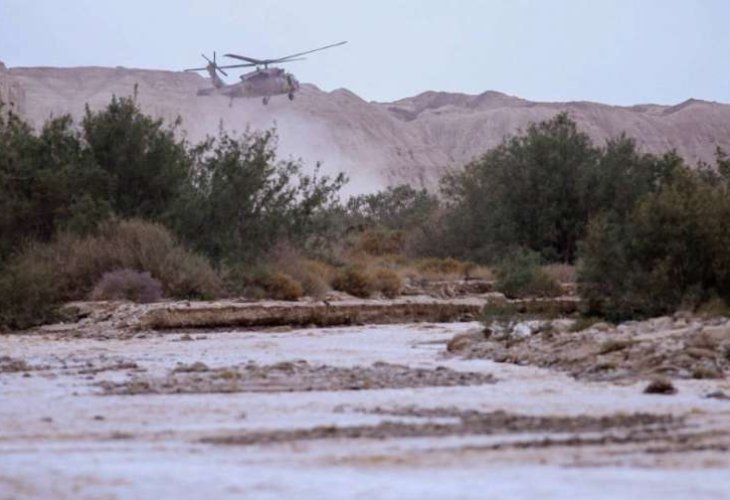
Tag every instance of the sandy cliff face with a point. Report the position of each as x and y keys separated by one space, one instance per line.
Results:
x=11 y=93
x=411 y=140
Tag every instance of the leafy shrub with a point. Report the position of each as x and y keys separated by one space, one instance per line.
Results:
x=562 y=273
x=584 y=322
x=47 y=181
x=500 y=313
x=243 y=201
x=355 y=281
x=127 y=284
x=540 y=189
x=396 y=208
x=29 y=294
x=521 y=276
x=145 y=164
x=714 y=307
x=671 y=251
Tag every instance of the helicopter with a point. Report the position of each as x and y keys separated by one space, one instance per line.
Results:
x=263 y=82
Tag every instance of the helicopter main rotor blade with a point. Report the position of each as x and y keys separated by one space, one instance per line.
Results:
x=282 y=59
x=292 y=57
x=251 y=65
x=244 y=58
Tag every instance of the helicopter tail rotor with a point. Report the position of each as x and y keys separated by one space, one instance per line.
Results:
x=212 y=66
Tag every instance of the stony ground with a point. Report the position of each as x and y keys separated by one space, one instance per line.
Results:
x=349 y=412
x=683 y=346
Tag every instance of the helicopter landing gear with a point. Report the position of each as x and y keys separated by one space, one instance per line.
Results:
x=266 y=100
x=291 y=96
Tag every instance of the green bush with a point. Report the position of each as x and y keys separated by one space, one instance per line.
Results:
x=29 y=293
x=521 y=275
x=397 y=208
x=538 y=190
x=671 y=251
x=242 y=201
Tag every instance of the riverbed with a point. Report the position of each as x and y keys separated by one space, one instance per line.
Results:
x=261 y=414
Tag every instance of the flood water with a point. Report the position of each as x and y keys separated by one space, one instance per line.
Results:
x=190 y=425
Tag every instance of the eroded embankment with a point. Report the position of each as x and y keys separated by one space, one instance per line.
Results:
x=325 y=313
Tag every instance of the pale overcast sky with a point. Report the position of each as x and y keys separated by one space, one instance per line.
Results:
x=613 y=51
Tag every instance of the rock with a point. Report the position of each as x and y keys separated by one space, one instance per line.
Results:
x=462 y=341
x=601 y=326
x=496 y=299
x=718 y=395
x=660 y=385
x=699 y=352
x=562 y=325
x=717 y=334
x=680 y=323
x=662 y=323
x=683 y=315
x=198 y=367
x=706 y=370
x=521 y=330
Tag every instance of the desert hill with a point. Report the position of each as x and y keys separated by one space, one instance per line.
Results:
x=410 y=140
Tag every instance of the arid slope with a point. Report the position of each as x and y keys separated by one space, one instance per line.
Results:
x=411 y=140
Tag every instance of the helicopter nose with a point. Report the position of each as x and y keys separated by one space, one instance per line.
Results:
x=293 y=82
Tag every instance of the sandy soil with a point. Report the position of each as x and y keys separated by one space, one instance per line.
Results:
x=414 y=431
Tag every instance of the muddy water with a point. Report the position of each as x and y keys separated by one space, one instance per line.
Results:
x=369 y=411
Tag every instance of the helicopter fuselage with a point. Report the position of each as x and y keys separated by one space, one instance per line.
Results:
x=263 y=83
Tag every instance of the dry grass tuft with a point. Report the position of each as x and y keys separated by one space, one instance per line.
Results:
x=387 y=282
x=355 y=281
x=380 y=242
